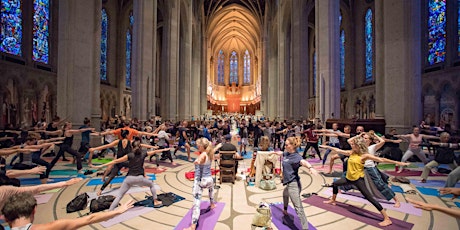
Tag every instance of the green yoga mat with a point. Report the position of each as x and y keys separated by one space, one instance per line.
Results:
x=392 y=166
x=63 y=172
x=101 y=161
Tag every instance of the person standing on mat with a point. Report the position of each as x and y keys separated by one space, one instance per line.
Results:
x=415 y=139
x=183 y=140
x=355 y=174
x=136 y=175
x=203 y=178
x=444 y=155
x=292 y=161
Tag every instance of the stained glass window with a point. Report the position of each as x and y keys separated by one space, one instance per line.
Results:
x=314 y=73
x=436 y=31
x=234 y=68
x=458 y=27
x=220 y=68
x=129 y=46
x=128 y=58
x=369 y=50
x=342 y=59
x=104 y=35
x=11 y=27
x=40 y=51
x=247 y=67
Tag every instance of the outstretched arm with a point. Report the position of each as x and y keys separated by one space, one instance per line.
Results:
x=150 y=153
x=307 y=164
x=382 y=160
x=110 y=145
x=13 y=173
x=344 y=152
x=86 y=220
x=426 y=206
x=116 y=161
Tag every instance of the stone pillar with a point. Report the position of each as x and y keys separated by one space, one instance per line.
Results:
x=402 y=72
x=328 y=59
x=300 y=61
x=196 y=86
x=282 y=79
x=143 y=57
x=171 y=60
x=379 y=60
x=78 y=80
x=185 y=57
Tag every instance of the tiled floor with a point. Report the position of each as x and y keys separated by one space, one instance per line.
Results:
x=240 y=201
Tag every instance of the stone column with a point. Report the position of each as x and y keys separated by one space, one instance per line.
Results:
x=282 y=79
x=78 y=80
x=185 y=57
x=328 y=60
x=196 y=86
x=402 y=72
x=143 y=57
x=300 y=59
x=379 y=60
x=171 y=60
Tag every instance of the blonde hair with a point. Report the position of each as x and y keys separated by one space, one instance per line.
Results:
x=207 y=145
x=264 y=143
x=295 y=141
x=362 y=146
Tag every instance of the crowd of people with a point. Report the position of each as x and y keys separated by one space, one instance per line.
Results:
x=133 y=141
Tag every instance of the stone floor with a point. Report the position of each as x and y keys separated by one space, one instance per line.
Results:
x=240 y=202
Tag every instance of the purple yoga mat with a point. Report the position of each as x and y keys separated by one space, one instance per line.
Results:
x=131 y=213
x=208 y=218
x=314 y=160
x=291 y=221
x=407 y=172
x=43 y=198
x=358 y=197
x=359 y=214
x=432 y=183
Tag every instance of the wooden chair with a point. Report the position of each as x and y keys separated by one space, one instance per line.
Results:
x=227 y=166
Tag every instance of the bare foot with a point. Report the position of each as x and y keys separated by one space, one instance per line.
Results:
x=157 y=202
x=385 y=223
x=285 y=212
x=173 y=163
x=329 y=202
x=192 y=227
x=99 y=192
x=212 y=206
x=400 y=170
x=423 y=181
x=190 y=159
x=397 y=204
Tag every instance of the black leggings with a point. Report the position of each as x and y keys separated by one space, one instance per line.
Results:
x=361 y=187
x=315 y=146
x=42 y=162
x=67 y=148
x=113 y=173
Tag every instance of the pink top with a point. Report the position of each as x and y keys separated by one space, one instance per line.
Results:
x=415 y=141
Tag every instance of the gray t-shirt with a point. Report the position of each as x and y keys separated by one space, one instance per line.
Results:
x=162 y=136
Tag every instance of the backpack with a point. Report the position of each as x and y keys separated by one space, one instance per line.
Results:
x=263 y=216
x=78 y=203
x=401 y=179
x=101 y=203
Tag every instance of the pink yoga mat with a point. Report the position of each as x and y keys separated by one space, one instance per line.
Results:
x=358 y=197
x=43 y=198
x=131 y=213
x=359 y=214
x=208 y=218
x=407 y=172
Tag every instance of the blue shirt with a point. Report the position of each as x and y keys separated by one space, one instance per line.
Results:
x=85 y=134
x=291 y=165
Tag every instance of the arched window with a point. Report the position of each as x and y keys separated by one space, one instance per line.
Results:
x=342 y=59
x=314 y=73
x=368 y=34
x=247 y=67
x=41 y=31
x=129 y=47
x=104 y=35
x=220 y=68
x=11 y=27
x=234 y=68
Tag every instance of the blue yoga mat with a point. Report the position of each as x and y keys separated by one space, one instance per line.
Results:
x=248 y=155
x=116 y=180
x=149 y=201
x=36 y=181
x=432 y=183
x=396 y=188
x=432 y=192
x=457 y=203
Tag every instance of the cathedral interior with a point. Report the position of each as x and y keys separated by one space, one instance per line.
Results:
x=278 y=59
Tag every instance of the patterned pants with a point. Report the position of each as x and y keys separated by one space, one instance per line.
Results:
x=198 y=186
